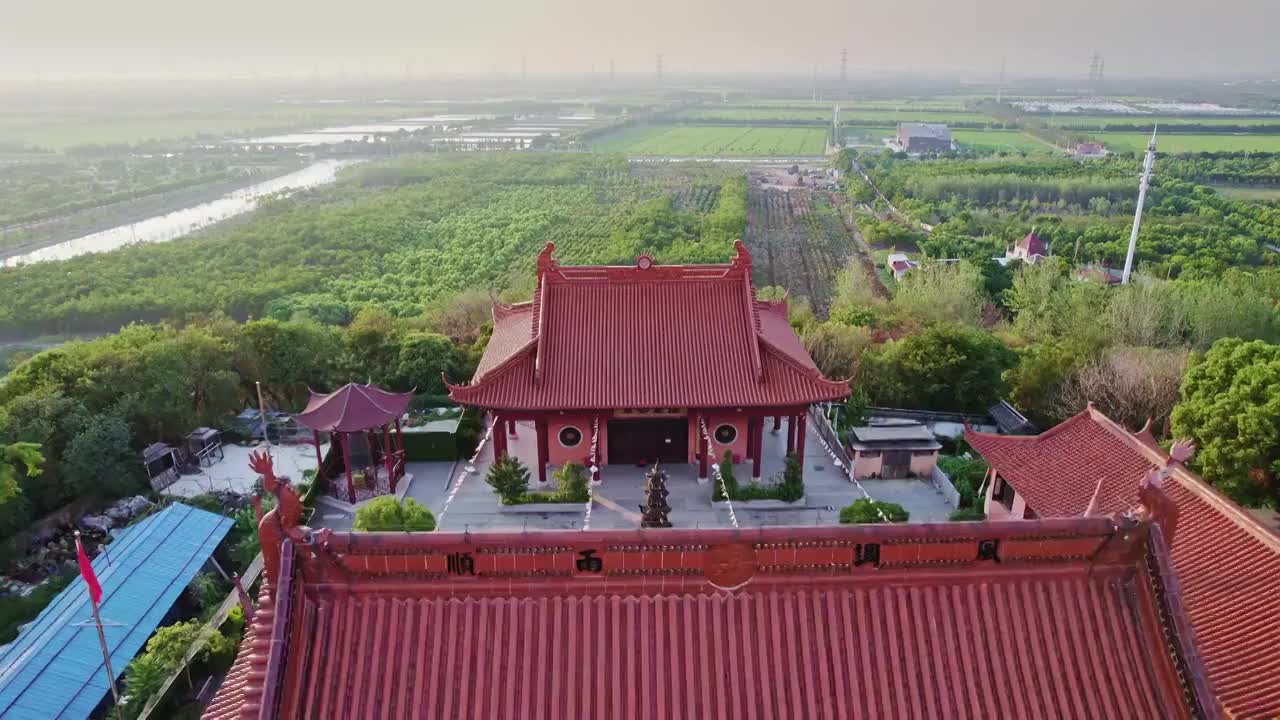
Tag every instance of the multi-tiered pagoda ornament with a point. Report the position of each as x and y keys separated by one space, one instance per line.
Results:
x=655 y=495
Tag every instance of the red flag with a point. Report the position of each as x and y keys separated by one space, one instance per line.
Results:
x=86 y=572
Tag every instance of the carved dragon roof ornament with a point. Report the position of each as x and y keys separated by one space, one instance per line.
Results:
x=1156 y=505
x=283 y=521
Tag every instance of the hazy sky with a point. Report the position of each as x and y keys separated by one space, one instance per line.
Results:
x=1136 y=37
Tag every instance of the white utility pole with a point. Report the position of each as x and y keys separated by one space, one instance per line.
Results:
x=1147 y=165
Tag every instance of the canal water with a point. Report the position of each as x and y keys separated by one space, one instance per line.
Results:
x=174 y=225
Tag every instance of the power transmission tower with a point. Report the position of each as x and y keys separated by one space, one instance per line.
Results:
x=1095 y=71
x=1000 y=89
x=844 y=66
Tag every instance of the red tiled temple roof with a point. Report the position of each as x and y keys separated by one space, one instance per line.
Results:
x=644 y=336
x=352 y=408
x=1074 y=619
x=1227 y=562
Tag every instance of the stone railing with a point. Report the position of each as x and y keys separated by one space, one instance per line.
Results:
x=823 y=426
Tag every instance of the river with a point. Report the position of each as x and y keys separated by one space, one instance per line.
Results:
x=171 y=226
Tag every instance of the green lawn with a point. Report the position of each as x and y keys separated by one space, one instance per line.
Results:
x=1175 y=144
x=715 y=141
x=1010 y=140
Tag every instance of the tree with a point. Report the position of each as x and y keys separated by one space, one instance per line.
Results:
x=944 y=367
x=836 y=348
x=387 y=514
x=1231 y=408
x=99 y=461
x=1147 y=312
x=13 y=506
x=942 y=292
x=573 y=482
x=423 y=359
x=1036 y=382
x=509 y=478
x=1129 y=385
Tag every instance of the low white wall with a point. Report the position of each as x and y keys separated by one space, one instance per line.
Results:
x=944 y=486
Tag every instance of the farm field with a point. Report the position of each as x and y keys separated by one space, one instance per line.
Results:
x=858 y=135
x=61 y=132
x=848 y=115
x=956 y=104
x=1247 y=192
x=798 y=241
x=1164 y=121
x=1000 y=140
x=1190 y=143
x=715 y=141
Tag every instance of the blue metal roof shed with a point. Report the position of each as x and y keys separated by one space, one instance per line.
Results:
x=53 y=670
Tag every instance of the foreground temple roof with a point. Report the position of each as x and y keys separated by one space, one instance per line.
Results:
x=1227 y=562
x=644 y=336
x=1075 y=618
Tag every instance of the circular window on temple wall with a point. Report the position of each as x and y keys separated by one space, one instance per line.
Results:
x=726 y=434
x=570 y=436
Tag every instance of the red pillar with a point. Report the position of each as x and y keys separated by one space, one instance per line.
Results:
x=319 y=458
x=399 y=436
x=540 y=425
x=751 y=436
x=346 y=461
x=800 y=433
x=777 y=424
x=758 y=436
x=791 y=434
x=499 y=438
x=703 y=451
x=511 y=428
x=386 y=456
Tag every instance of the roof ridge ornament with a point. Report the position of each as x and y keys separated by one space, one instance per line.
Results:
x=546 y=259
x=1157 y=506
x=741 y=258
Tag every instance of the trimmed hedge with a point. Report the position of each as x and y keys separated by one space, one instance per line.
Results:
x=867 y=511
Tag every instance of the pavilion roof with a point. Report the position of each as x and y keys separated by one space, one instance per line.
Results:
x=644 y=336
x=1074 y=618
x=352 y=408
x=1227 y=562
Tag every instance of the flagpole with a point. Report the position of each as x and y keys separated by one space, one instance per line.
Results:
x=106 y=655
x=262 y=413
x=95 y=594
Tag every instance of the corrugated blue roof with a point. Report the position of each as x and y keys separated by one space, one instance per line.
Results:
x=53 y=670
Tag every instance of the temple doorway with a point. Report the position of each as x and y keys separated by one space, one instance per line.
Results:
x=644 y=442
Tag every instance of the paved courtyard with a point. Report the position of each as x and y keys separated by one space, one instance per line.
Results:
x=233 y=473
x=475 y=508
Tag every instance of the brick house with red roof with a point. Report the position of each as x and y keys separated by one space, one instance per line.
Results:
x=1030 y=249
x=657 y=363
x=1227 y=562
x=1053 y=618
